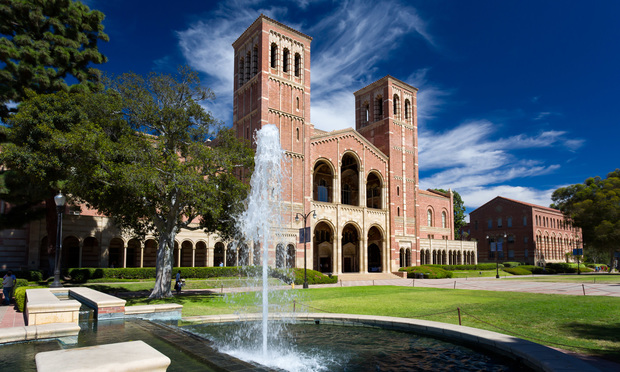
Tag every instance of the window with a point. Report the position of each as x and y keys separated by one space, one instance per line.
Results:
x=499 y=222
x=407 y=110
x=398 y=211
x=248 y=58
x=443 y=219
x=365 y=113
x=429 y=218
x=396 y=107
x=524 y=220
x=297 y=130
x=346 y=194
x=297 y=64
x=297 y=103
x=285 y=54
x=255 y=60
x=274 y=55
x=241 y=71
x=490 y=223
x=525 y=253
x=476 y=225
x=509 y=222
x=525 y=240
x=323 y=197
x=378 y=108
x=397 y=190
x=511 y=253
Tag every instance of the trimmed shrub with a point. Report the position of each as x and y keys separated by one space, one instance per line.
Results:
x=511 y=264
x=20 y=296
x=517 y=271
x=429 y=272
x=483 y=266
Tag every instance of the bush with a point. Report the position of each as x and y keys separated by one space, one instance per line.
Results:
x=484 y=266
x=20 y=296
x=517 y=270
x=511 y=264
x=429 y=272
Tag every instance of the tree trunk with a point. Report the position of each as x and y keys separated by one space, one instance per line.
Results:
x=163 y=271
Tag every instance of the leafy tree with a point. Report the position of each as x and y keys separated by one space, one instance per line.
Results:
x=174 y=168
x=594 y=207
x=459 y=212
x=43 y=43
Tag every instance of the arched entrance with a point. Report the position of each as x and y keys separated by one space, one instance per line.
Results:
x=90 y=252
x=375 y=242
x=322 y=248
x=290 y=256
x=218 y=254
x=350 y=249
x=70 y=252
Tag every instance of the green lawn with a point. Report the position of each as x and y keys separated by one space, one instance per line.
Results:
x=573 y=278
x=589 y=325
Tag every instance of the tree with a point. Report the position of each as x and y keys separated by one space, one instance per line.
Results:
x=174 y=168
x=44 y=42
x=459 y=212
x=594 y=207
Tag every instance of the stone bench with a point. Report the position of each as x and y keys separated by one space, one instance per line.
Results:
x=43 y=307
x=105 y=305
x=159 y=311
x=65 y=332
x=135 y=356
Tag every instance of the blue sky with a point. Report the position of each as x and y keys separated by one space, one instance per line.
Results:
x=517 y=98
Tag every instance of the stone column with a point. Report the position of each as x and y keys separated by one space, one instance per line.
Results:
x=124 y=254
x=142 y=244
x=80 y=247
x=193 y=256
x=363 y=259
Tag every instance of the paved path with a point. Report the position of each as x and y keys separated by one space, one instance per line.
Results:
x=9 y=317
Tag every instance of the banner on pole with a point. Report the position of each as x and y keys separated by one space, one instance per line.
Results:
x=304 y=235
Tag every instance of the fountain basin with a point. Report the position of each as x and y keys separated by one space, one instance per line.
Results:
x=521 y=352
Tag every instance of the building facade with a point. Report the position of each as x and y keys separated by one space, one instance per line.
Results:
x=362 y=183
x=522 y=232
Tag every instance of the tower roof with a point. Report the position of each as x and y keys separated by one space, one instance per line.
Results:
x=264 y=18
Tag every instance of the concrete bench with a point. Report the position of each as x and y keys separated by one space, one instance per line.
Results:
x=65 y=332
x=105 y=305
x=159 y=311
x=43 y=307
x=135 y=356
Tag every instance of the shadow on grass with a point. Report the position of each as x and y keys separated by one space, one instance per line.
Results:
x=607 y=333
x=182 y=299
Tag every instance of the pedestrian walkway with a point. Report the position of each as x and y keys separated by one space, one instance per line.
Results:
x=10 y=317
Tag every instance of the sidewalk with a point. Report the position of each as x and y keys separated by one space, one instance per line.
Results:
x=9 y=317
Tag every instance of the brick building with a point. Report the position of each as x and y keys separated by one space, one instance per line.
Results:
x=362 y=183
x=525 y=232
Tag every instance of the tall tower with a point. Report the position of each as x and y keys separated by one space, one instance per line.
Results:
x=386 y=115
x=272 y=86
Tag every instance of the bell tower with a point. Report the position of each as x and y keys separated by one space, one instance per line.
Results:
x=272 y=86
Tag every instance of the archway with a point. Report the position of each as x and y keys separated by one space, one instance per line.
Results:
x=187 y=252
x=290 y=256
x=374 y=256
x=70 y=253
x=90 y=252
x=115 y=252
x=349 y=178
x=322 y=244
x=218 y=254
x=201 y=254
x=322 y=184
x=150 y=253
x=350 y=249
x=244 y=254
x=133 y=253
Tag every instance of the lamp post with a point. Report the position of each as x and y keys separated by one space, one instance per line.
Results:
x=60 y=200
x=497 y=256
x=306 y=238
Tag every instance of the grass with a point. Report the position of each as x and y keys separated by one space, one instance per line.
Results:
x=573 y=278
x=479 y=273
x=588 y=325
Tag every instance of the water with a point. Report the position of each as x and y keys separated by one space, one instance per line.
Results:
x=21 y=356
x=320 y=347
x=260 y=223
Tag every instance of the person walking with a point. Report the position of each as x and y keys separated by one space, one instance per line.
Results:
x=177 y=285
x=8 y=282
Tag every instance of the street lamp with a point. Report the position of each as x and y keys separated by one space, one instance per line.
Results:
x=306 y=236
x=497 y=257
x=60 y=200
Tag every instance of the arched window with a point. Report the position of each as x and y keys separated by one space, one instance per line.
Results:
x=443 y=219
x=297 y=130
x=248 y=58
x=297 y=103
x=241 y=71
x=365 y=112
x=429 y=218
x=398 y=211
x=407 y=109
x=297 y=64
x=274 y=55
x=285 y=55
x=397 y=190
x=378 y=108
x=255 y=60
x=396 y=107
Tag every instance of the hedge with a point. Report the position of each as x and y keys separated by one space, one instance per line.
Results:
x=429 y=272
x=517 y=270
x=511 y=264
x=20 y=295
x=29 y=275
x=483 y=266
x=289 y=276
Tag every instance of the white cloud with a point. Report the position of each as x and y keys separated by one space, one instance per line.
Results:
x=475 y=197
